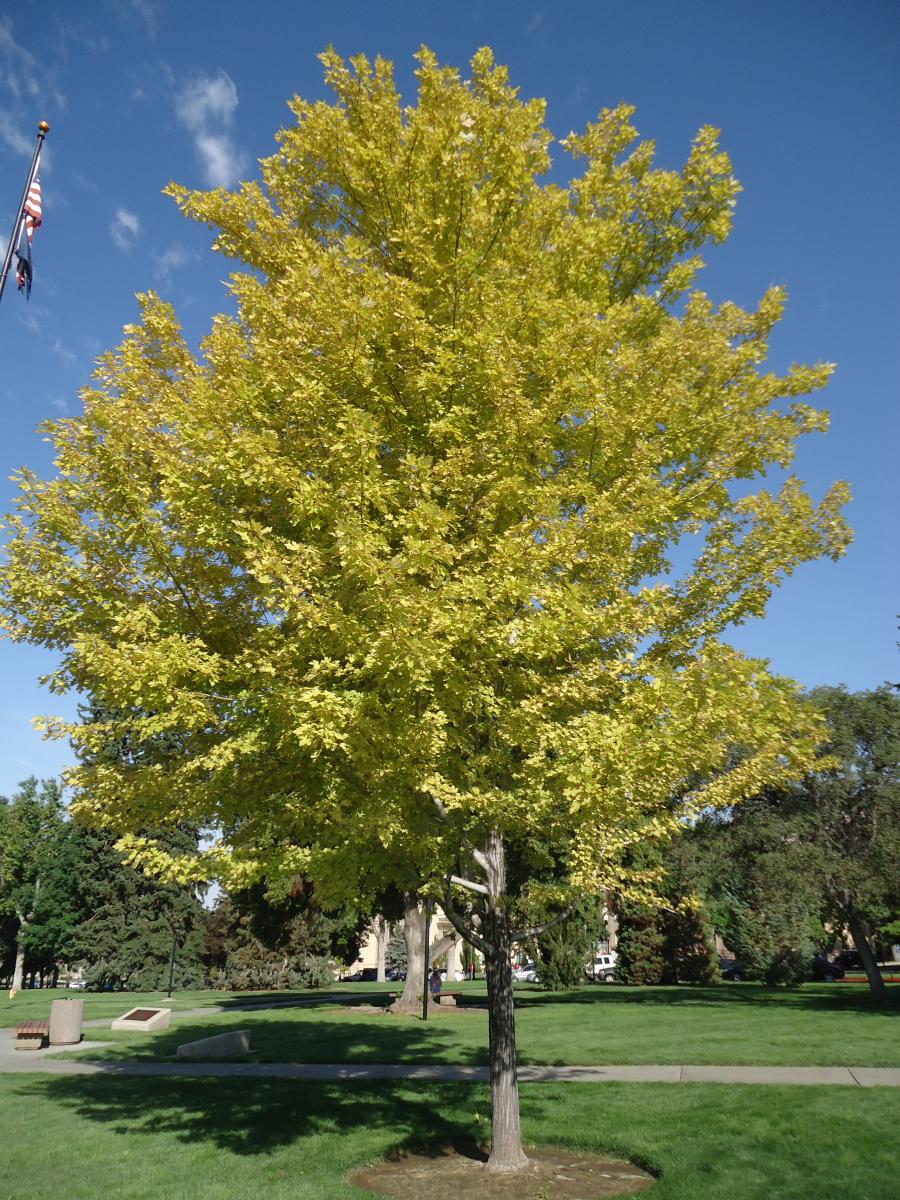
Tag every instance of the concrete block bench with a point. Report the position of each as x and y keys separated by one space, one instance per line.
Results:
x=443 y=997
x=448 y=998
x=223 y=1045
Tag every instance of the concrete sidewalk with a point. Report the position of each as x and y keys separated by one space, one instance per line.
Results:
x=45 y=1062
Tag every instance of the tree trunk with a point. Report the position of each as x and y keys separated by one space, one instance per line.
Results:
x=382 y=932
x=861 y=941
x=506 y=1135
x=414 y=935
x=19 y=968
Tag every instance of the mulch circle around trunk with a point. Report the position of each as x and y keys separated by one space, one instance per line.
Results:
x=552 y=1174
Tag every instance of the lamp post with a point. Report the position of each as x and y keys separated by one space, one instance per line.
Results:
x=171 y=965
x=426 y=988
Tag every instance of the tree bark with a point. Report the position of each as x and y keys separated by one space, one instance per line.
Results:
x=414 y=935
x=861 y=941
x=19 y=968
x=506 y=1134
x=382 y=930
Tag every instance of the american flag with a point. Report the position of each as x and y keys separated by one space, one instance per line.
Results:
x=31 y=219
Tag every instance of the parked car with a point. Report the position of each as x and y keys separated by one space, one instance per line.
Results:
x=732 y=969
x=525 y=973
x=366 y=975
x=850 y=960
x=395 y=974
x=603 y=968
x=826 y=971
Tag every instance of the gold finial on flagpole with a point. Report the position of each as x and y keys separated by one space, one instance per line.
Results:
x=43 y=127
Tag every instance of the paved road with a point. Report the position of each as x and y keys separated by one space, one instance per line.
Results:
x=14 y=1061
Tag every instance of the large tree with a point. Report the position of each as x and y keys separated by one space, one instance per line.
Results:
x=390 y=558
x=852 y=814
x=132 y=923
x=804 y=863
x=36 y=888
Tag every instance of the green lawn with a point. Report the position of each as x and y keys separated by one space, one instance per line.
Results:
x=35 y=1004
x=741 y=1024
x=197 y=1139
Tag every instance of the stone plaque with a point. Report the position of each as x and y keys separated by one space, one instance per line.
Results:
x=144 y=1020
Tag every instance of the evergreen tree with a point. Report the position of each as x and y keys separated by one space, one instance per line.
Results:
x=133 y=920
x=688 y=946
x=640 y=947
x=279 y=938
x=565 y=950
x=396 y=958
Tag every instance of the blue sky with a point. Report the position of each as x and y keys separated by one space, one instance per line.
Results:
x=807 y=95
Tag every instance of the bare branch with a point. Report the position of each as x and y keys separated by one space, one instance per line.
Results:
x=467 y=883
x=536 y=930
x=482 y=860
x=459 y=924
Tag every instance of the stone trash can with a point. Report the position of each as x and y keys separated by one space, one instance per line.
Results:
x=65 y=1022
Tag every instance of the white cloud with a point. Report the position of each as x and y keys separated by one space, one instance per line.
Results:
x=31 y=321
x=69 y=359
x=11 y=133
x=61 y=405
x=82 y=37
x=125 y=228
x=206 y=108
x=21 y=74
x=535 y=23
x=18 y=68
x=221 y=161
x=149 y=12
x=207 y=100
x=174 y=259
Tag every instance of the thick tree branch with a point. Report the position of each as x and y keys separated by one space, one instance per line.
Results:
x=517 y=935
x=468 y=883
x=464 y=929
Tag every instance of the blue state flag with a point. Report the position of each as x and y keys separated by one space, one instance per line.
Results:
x=23 y=263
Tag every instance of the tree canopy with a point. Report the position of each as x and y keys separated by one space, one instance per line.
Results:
x=397 y=560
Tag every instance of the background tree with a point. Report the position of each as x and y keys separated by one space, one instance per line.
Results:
x=761 y=876
x=395 y=956
x=132 y=920
x=51 y=940
x=639 y=950
x=794 y=867
x=388 y=560
x=565 y=951
x=278 y=937
x=852 y=815
x=32 y=893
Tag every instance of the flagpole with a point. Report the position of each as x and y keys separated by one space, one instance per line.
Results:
x=43 y=130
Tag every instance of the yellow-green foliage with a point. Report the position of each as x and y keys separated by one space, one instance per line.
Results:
x=395 y=542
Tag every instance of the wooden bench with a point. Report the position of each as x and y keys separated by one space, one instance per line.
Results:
x=30 y=1034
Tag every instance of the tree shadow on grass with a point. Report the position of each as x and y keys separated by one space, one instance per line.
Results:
x=257 y=1117
x=352 y=1039
x=249 y=1001
x=823 y=998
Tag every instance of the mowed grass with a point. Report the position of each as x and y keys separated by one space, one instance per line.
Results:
x=739 y=1024
x=34 y=1004
x=204 y=1139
